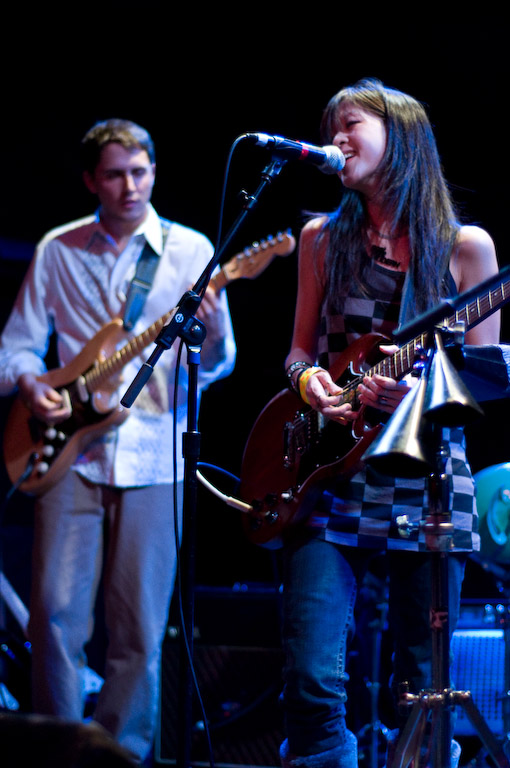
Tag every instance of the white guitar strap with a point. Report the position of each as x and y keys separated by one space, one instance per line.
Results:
x=142 y=281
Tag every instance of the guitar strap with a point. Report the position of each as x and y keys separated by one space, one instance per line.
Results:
x=142 y=281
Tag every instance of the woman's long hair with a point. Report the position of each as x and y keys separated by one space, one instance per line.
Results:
x=412 y=187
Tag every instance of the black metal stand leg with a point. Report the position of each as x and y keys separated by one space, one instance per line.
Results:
x=440 y=628
x=191 y=452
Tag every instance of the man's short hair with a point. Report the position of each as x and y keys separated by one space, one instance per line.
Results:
x=124 y=132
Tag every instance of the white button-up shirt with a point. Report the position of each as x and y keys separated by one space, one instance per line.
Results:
x=77 y=283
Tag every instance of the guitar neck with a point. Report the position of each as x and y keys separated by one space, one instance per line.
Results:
x=219 y=280
x=100 y=373
x=470 y=314
x=402 y=362
x=97 y=376
x=249 y=263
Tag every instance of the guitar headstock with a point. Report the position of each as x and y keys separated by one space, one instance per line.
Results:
x=253 y=260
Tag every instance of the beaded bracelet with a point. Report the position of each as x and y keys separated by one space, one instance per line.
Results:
x=300 y=366
x=303 y=381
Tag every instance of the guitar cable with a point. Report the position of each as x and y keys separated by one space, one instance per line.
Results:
x=229 y=500
x=33 y=458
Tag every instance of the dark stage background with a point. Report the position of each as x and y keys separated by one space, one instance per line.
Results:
x=197 y=79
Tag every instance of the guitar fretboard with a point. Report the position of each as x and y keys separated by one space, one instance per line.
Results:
x=402 y=362
x=99 y=375
x=96 y=377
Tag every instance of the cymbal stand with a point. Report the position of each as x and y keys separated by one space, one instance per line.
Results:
x=440 y=399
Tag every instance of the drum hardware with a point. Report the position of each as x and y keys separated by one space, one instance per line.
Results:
x=439 y=400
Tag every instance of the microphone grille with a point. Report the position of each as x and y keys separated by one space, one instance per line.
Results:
x=335 y=159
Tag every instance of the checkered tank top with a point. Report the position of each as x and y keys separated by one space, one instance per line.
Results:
x=362 y=511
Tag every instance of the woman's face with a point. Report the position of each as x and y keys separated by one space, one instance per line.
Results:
x=361 y=136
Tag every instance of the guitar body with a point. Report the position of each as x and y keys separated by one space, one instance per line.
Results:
x=290 y=454
x=27 y=440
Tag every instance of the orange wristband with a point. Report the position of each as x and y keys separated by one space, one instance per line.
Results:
x=303 y=381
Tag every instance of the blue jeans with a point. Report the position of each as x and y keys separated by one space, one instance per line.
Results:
x=320 y=585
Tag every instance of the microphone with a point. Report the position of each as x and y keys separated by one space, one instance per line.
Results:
x=327 y=159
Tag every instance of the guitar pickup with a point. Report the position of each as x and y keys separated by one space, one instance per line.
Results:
x=66 y=397
x=289 y=457
x=295 y=441
x=81 y=388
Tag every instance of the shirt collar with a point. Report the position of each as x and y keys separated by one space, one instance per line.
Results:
x=150 y=230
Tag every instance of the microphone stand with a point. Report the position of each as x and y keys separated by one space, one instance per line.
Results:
x=185 y=326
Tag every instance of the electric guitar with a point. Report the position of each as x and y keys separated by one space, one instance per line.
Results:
x=36 y=454
x=292 y=449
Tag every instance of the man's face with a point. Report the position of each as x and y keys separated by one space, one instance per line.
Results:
x=123 y=181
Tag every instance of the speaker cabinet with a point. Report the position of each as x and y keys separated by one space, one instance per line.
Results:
x=479 y=667
x=237 y=663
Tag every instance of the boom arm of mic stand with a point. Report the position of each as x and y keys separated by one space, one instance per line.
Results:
x=268 y=174
x=183 y=322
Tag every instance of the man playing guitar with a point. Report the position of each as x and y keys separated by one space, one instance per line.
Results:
x=110 y=515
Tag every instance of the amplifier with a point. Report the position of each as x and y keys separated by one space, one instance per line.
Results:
x=480 y=664
x=237 y=663
x=488 y=613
